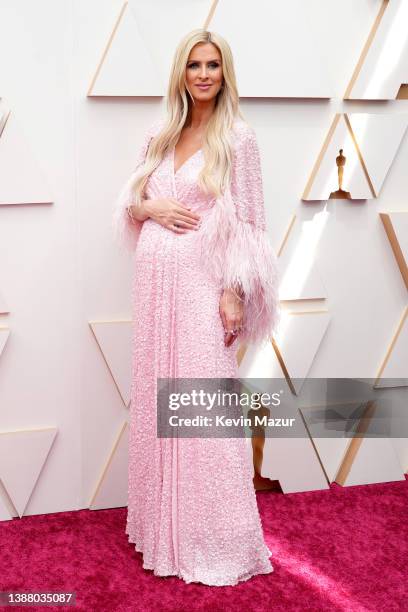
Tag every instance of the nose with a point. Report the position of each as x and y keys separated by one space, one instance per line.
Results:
x=203 y=73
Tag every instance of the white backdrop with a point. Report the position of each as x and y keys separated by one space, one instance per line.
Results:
x=60 y=269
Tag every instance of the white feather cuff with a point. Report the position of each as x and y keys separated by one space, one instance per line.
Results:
x=239 y=253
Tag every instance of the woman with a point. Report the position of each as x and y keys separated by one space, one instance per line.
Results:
x=204 y=274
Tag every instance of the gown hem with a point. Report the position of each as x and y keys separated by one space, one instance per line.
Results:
x=260 y=568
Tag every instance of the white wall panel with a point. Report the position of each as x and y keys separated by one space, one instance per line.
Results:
x=138 y=54
x=39 y=278
x=22 y=457
x=378 y=138
x=383 y=64
x=63 y=269
x=22 y=180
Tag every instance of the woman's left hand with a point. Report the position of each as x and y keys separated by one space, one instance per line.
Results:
x=232 y=312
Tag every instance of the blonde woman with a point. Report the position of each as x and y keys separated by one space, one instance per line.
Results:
x=204 y=275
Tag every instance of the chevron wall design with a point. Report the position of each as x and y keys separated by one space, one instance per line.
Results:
x=381 y=72
x=22 y=458
x=361 y=136
x=22 y=180
x=370 y=142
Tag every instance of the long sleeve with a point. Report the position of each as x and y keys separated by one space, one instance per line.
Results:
x=250 y=260
x=126 y=232
x=236 y=245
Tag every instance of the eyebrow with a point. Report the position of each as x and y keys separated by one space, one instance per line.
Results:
x=212 y=60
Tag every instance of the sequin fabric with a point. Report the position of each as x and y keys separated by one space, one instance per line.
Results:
x=192 y=508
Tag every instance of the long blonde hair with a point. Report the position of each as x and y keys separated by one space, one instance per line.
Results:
x=215 y=175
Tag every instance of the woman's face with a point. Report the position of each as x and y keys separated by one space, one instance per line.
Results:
x=204 y=68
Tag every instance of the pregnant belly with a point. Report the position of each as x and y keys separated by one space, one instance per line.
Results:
x=156 y=241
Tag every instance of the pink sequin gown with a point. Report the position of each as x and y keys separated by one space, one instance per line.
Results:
x=192 y=508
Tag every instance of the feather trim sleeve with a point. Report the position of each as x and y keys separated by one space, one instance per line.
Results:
x=251 y=263
x=126 y=231
x=237 y=241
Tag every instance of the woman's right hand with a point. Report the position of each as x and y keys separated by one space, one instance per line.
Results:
x=172 y=214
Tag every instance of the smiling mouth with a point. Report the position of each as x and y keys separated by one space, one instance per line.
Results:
x=204 y=86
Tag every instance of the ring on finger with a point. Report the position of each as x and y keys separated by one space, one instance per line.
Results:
x=234 y=332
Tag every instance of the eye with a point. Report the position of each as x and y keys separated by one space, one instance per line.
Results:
x=211 y=64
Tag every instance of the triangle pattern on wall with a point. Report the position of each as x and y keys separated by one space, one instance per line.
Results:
x=324 y=176
x=114 y=76
x=114 y=341
x=378 y=138
x=369 y=143
x=301 y=279
x=394 y=369
x=22 y=457
x=396 y=227
x=22 y=180
x=382 y=68
x=112 y=486
x=135 y=61
x=282 y=357
x=368 y=461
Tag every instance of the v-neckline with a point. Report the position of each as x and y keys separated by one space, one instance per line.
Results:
x=175 y=172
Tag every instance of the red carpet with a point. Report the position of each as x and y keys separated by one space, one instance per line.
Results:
x=343 y=549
